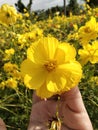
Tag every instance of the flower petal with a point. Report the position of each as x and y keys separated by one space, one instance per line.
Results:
x=59 y=56
x=43 y=92
x=50 y=45
x=42 y=50
x=56 y=82
x=27 y=79
x=72 y=72
x=69 y=51
x=37 y=53
x=37 y=72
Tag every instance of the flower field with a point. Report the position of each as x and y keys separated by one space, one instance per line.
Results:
x=18 y=32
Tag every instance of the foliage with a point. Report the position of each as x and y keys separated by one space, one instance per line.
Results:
x=20 y=6
x=15 y=39
x=92 y=3
x=73 y=7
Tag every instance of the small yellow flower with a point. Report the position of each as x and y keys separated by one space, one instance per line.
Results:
x=8 y=67
x=94 y=79
x=10 y=51
x=89 y=53
x=51 y=67
x=23 y=39
x=73 y=36
x=8 y=14
x=26 y=15
x=89 y=31
x=11 y=83
x=16 y=74
x=88 y=0
x=2 y=85
x=75 y=27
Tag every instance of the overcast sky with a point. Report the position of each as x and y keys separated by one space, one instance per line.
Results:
x=38 y=4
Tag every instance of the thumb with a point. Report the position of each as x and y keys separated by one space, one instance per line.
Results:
x=2 y=125
x=74 y=100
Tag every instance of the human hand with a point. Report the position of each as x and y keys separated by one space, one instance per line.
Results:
x=71 y=112
x=2 y=125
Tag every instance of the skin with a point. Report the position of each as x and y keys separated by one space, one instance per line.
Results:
x=70 y=108
x=2 y=125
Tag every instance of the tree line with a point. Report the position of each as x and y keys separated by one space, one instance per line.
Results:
x=72 y=6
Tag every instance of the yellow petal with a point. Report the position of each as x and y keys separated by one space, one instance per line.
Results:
x=43 y=92
x=36 y=53
x=72 y=72
x=27 y=79
x=42 y=50
x=69 y=51
x=35 y=71
x=59 y=56
x=56 y=82
x=50 y=45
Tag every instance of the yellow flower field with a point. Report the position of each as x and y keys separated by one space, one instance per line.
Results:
x=49 y=56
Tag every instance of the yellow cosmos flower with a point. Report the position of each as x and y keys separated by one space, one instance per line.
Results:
x=94 y=79
x=2 y=85
x=89 y=31
x=51 y=67
x=8 y=14
x=10 y=51
x=24 y=39
x=12 y=83
x=88 y=0
x=89 y=53
x=8 y=67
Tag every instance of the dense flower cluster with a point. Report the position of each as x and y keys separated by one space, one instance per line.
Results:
x=25 y=35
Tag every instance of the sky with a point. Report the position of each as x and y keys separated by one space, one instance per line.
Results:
x=38 y=4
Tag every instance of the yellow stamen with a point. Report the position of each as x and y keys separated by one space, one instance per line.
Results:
x=50 y=65
x=87 y=30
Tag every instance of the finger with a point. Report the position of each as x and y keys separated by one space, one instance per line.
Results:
x=74 y=120
x=42 y=112
x=73 y=93
x=74 y=112
x=36 y=98
x=74 y=100
x=2 y=125
x=37 y=126
x=64 y=127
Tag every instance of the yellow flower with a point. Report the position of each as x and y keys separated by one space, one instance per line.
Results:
x=12 y=83
x=51 y=67
x=88 y=0
x=26 y=14
x=24 y=39
x=89 y=31
x=75 y=27
x=94 y=79
x=2 y=85
x=8 y=14
x=10 y=51
x=16 y=74
x=89 y=53
x=73 y=36
x=9 y=67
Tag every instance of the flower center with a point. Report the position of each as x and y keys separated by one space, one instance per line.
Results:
x=50 y=65
x=7 y=15
x=87 y=30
